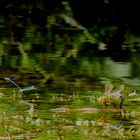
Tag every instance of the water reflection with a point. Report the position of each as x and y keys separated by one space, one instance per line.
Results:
x=101 y=67
x=117 y=69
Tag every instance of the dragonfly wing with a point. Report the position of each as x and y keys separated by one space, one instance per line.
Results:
x=117 y=91
x=28 y=88
x=108 y=88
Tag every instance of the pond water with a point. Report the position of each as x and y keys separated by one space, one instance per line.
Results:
x=65 y=106
x=60 y=84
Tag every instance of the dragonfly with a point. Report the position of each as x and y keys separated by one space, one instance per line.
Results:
x=20 y=89
x=112 y=96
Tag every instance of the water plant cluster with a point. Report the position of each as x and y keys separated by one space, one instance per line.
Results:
x=59 y=116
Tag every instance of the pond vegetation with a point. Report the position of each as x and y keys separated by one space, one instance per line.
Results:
x=62 y=80
x=43 y=114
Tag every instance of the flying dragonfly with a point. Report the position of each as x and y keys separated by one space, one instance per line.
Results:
x=112 y=96
x=20 y=89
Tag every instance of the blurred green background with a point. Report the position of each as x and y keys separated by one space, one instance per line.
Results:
x=69 y=42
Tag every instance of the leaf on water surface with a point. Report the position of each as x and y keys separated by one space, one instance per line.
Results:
x=60 y=110
x=87 y=110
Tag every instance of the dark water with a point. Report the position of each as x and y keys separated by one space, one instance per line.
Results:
x=100 y=68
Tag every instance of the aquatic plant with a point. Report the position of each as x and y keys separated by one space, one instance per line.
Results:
x=58 y=115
